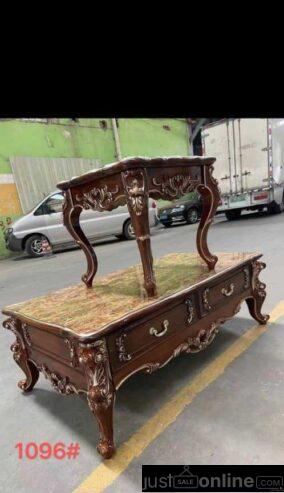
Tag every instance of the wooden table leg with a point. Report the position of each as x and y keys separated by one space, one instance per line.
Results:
x=210 y=197
x=20 y=356
x=259 y=294
x=137 y=196
x=71 y=218
x=101 y=391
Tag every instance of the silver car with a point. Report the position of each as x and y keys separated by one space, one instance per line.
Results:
x=45 y=222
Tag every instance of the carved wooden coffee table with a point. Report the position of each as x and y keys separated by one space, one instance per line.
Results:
x=91 y=338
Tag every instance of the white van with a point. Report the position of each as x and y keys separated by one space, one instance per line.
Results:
x=45 y=222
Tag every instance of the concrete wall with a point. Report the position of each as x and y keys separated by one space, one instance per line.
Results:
x=85 y=138
x=35 y=139
x=153 y=137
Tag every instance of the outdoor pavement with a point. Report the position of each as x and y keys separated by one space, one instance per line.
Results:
x=236 y=415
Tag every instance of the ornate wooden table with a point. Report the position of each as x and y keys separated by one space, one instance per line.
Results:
x=90 y=339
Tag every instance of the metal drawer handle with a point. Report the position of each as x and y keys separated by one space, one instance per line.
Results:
x=228 y=291
x=154 y=332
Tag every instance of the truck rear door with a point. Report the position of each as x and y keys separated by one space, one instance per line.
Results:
x=217 y=140
x=252 y=165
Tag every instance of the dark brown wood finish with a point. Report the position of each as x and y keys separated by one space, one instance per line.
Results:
x=133 y=181
x=187 y=321
x=98 y=364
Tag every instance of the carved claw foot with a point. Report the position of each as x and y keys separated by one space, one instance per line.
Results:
x=212 y=261
x=259 y=294
x=106 y=448
x=254 y=306
x=28 y=384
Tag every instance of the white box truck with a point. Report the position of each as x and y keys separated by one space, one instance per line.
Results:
x=249 y=163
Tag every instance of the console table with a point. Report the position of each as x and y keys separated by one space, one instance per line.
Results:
x=89 y=338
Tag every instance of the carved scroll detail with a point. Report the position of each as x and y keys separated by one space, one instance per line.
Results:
x=59 y=383
x=205 y=300
x=259 y=287
x=198 y=342
x=20 y=355
x=26 y=334
x=175 y=186
x=73 y=353
x=190 y=310
x=122 y=353
x=94 y=357
x=258 y=294
x=247 y=277
x=101 y=392
x=134 y=185
x=100 y=199
x=18 y=347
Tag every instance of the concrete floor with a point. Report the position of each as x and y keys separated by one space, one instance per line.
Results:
x=238 y=419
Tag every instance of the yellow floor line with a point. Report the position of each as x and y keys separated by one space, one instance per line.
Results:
x=110 y=469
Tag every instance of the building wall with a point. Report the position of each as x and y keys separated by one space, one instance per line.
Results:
x=84 y=138
x=36 y=139
x=153 y=137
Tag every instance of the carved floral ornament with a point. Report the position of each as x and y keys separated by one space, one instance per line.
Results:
x=258 y=286
x=190 y=310
x=174 y=186
x=120 y=344
x=134 y=186
x=17 y=347
x=100 y=199
x=247 y=278
x=94 y=358
x=59 y=383
x=26 y=334
x=205 y=300
x=72 y=350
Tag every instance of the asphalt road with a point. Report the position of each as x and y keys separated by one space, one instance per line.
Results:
x=238 y=419
x=22 y=278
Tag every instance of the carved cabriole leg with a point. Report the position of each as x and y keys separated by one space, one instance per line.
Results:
x=259 y=294
x=137 y=196
x=71 y=216
x=20 y=356
x=210 y=197
x=101 y=392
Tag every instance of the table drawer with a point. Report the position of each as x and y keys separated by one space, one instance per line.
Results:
x=154 y=330
x=43 y=341
x=223 y=291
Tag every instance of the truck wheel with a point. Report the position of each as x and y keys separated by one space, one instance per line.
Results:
x=233 y=214
x=275 y=208
x=128 y=230
x=33 y=246
x=192 y=216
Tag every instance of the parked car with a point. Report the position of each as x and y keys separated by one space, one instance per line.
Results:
x=188 y=211
x=45 y=222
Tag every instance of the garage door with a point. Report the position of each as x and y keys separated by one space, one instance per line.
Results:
x=36 y=177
